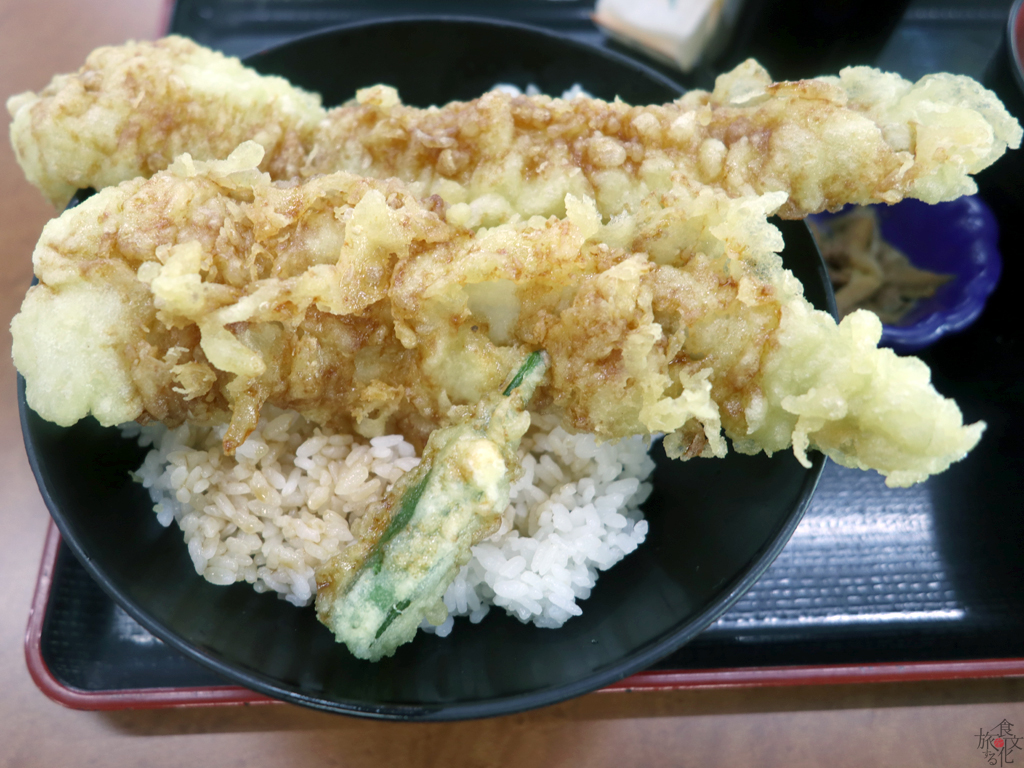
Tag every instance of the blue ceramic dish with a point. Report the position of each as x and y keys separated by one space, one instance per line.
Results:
x=958 y=238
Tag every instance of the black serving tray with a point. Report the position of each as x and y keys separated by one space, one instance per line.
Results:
x=876 y=583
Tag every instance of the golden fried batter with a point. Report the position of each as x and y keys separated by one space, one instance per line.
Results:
x=130 y=110
x=208 y=290
x=862 y=137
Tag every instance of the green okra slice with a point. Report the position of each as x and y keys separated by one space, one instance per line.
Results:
x=376 y=593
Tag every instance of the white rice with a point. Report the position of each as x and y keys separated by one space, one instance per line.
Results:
x=575 y=91
x=285 y=502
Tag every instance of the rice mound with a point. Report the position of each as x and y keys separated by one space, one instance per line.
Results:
x=574 y=512
x=292 y=495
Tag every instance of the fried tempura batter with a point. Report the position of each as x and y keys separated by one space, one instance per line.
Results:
x=130 y=110
x=207 y=291
x=862 y=137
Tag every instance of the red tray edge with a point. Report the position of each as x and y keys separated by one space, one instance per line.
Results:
x=142 y=698
x=651 y=680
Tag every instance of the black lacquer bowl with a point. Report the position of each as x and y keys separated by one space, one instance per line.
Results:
x=715 y=525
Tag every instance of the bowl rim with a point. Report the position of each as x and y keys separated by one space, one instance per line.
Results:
x=503 y=705
x=615 y=56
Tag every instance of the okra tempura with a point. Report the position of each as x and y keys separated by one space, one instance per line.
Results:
x=378 y=591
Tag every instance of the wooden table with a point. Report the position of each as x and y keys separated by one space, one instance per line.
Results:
x=902 y=725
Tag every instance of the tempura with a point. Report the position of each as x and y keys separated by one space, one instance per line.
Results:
x=862 y=137
x=131 y=109
x=208 y=290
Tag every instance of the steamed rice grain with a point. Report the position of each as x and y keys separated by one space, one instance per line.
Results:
x=290 y=497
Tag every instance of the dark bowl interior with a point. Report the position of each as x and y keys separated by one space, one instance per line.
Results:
x=715 y=524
